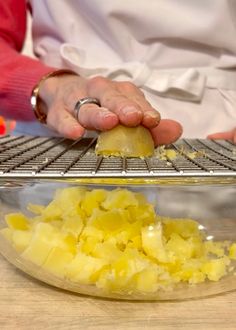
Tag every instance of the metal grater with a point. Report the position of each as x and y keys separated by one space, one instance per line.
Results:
x=49 y=157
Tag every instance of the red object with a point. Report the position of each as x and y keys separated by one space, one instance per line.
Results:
x=2 y=126
x=19 y=73
x=3 y=129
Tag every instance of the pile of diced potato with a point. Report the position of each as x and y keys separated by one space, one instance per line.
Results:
x=114 y=239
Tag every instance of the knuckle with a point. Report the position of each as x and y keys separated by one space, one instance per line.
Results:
x=97 y=82
x=127 y=86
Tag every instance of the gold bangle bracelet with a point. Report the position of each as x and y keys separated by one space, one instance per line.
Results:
x=34 y=99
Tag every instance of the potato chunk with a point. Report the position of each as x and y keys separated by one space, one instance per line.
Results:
x=124 y=141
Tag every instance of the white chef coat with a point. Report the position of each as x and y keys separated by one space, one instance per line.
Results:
x=181 y=53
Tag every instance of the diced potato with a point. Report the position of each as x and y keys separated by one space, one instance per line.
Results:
x=197 y=246
x=180 y=248
x=147 y=280
x=35 y=209
x=52 y=212
x=192 y=276
x=66 y=202
x=41 y=244
x=141 y=198
x=73 y=225
x=69 y=198
x=21 y=239
x=215 y=268
x=17 y=221
x=145 y=213
x=215 y=248
x=88 y=245
x=107 y=251
x=37 y=252
x=57 y=224
x=119 y=238
x=44 y=239
x=183 y=227
x=67 y=242
x=190 y=271
x=91 y=231
x=85 y=269
x=120 y=199
x=125 y=142
x=232 y=251
x=130 y=263
x=92 y=200
x=109 y=221
x=152 y=242
x=57 y=261
x=134 y=229
x=135 y=242
x=123 y=272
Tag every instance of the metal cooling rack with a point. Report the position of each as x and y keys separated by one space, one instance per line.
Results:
x=48 y=157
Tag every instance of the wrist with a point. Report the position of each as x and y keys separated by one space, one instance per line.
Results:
x=43 y=93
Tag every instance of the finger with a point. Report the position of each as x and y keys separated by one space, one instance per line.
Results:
x=97 y=118
x=230 y=136
x=151 y=116
x=64 y=123
x=168 y=131
x=128 y=111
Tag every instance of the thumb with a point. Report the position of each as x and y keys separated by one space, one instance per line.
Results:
x=166 y=132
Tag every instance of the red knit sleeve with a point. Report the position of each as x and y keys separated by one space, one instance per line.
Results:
x=18 y=73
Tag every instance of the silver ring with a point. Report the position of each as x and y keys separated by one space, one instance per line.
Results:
x=83 y=101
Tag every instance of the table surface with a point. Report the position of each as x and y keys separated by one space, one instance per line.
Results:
x=26 y=303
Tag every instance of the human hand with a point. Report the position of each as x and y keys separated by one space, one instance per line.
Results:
x=230 y=136
x=121 y=102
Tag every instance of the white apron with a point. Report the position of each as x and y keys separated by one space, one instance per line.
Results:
x=181 y=53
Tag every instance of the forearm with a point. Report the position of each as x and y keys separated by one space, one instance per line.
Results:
x=18 y=73
x=18 y=76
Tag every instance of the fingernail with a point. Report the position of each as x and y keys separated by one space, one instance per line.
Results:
x=152 y=114
x=130 y=110
x=108 y=114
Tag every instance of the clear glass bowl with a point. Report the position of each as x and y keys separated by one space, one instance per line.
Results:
x=134 y=270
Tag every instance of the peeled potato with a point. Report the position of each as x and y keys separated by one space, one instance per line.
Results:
x=124 y=141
